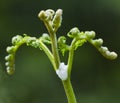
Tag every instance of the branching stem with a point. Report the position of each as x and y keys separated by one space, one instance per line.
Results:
x=49 y=54
x=67 y=84
x=54 y=43
x=52 y=22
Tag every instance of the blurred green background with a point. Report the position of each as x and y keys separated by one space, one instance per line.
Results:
x=94 y=79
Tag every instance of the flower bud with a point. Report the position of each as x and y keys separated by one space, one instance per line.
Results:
x=97 y=42
x=46 y=15
x=49 y=14
x=42 y=15
x=9 y=57
x=35 y=44
x=62 y=40
x=73 y=32
x=90 y=34
x=16 y=39
x=30 y=40
x=104 y=48
x=107 y=54
x=10 y=49
x=46 y=38
x=57 y=20
x=7 y=64
x=10 y=70
x=113 y=55
x=45 y=35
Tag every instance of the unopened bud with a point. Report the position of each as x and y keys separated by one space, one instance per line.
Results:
x=90 y=34
x=57 y=20
x=62 y=40
x=49 y=14
x=111 y=55
x=7 y=64
x=106 y=53
x=46 y=15
x=97 y=42
x=16 y=39
x=9 y=57
x=10 y=70
x=42 y=15
x=10 y=49
x=104 y=48
x=73 y=32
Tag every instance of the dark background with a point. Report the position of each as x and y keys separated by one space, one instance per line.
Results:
x=94 y=78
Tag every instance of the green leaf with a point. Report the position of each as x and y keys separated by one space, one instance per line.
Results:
x=79 y=43
x=63 y=47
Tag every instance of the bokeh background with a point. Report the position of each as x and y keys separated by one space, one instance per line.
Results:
x=94 y=78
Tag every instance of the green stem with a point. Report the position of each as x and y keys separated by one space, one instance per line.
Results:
x=48 y=53
x=70 y=58
x=70 y=61
x=67 y=84
x=54 y=43
x=55 y=49
x=69 y=91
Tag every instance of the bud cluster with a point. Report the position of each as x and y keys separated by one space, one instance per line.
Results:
x=51 y=19
x=106 y=53
x=10 y=59
x=73 y=33
x=98 y=44
x=17 y=41
x=32 y=41
x=82 y=37
x=52 y=22
x=11 y=50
